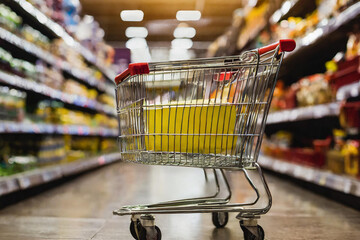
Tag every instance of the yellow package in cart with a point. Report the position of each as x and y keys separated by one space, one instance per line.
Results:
x=191 y=129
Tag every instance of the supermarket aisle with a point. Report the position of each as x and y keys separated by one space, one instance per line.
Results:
x=82 y=208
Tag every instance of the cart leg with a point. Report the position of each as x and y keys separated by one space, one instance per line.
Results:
x=205 y=174
x=263 y=201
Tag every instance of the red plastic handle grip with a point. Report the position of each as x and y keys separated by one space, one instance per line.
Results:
x=133 y=69
x=286 y=45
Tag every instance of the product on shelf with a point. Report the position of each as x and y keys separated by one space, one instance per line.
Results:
x=51 y=150
x=55 y=113
x=284 y=98
x=308 y=91
x=9 y=19
x=350 y=115
x=28 y=152
x=108 y=145
x=32 y=35
x=353 y=45
x=20 y=154
x=106 y=99
x=20 y=67
x=344 y=70
x=351 y=155
x=313 y=90
x=69 y=54
x=280 y=145
x=50 y=76
x=73 y=87
x=12 y=104
x=334 y=156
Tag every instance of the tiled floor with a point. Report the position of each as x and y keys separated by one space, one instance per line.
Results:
x=82 y=208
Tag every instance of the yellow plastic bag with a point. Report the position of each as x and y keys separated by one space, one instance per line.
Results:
x=191 y=129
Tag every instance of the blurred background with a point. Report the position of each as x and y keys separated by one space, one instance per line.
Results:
x=59 y=58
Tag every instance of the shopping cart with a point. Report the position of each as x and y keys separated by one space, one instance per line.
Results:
x=206 y=113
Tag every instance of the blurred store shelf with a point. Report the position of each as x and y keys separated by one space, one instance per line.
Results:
x=341 y=183
x=55 y=61
x=304 y=113
x=44 y=175
x=328 y=27
x=347 y=91
x=76 y=100
x=324 y=40
x=45 y=128
x=60 y=32
x=293 y=8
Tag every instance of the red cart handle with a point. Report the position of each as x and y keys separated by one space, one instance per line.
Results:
x=133 y=69
x=286 y=45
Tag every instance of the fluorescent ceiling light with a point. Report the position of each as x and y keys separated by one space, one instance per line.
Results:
x=139 y=32
x=184 y=32
x=188 y=15
x=136 y=43
x=181 y=43
x=180 y=54
x=132 y=15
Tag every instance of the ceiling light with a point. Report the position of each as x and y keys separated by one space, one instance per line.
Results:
x=184 y=32
x=181 y=43
x=132 y=15
x=136 y=43
x=180 y=54
x=188 y=15
x=140 y=32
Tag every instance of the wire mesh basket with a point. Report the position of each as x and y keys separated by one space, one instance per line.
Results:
x=200 y=113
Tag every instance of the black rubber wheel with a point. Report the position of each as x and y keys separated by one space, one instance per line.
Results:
x=158 y=232
x=220 y=219
x=132 y=229
x=143 y=235
x=248 y=235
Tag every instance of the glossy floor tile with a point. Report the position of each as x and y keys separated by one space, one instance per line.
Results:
x=82 y=208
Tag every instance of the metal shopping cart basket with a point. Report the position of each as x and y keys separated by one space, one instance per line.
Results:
x=205 y=113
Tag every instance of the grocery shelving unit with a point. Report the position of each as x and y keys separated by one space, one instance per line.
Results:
x=42 y=89
x=55 y=61
x=319 y=42
x=309 y=57
x=341 y=183
x=59 y=32
x=45 y=128
x=304 y=113
x=53 y=30
x=292 y=8
x=32 y=178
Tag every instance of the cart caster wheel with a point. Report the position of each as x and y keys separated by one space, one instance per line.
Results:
x=133 y=230
x=252 y=232
x=220 y=219
x=149 y=233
